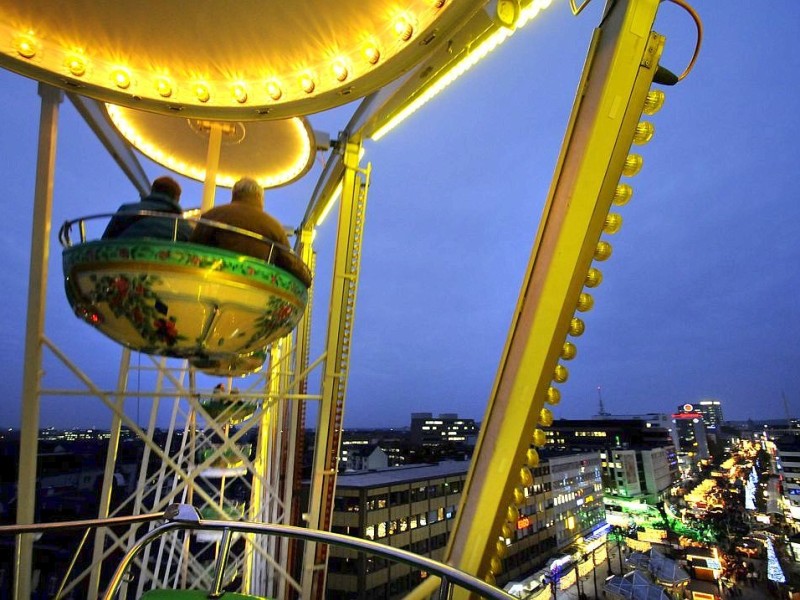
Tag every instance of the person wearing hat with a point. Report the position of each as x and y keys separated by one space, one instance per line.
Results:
x=246 y=211
x=164 y=197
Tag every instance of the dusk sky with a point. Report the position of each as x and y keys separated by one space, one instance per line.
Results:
x=699 y=299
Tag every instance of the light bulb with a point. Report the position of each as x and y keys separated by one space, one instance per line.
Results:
x=121 y=78
x=307 y=83
x=403 y=28
x=239 y=93
x=505 y=530
x=553 y=396
x=594 y=277
x=569 y=351
x=26 y=46
x=373 y=54
x=202 y=92
x=495 y=565
x=623 y=194
x=644 y=133
x=274 y=90
x=76 y=64
x=525 y=476
x=633 y=164
x=560 y=374
x=539 y=437
x=164 y=87
x=340 y=70
x=585 y=302
x=519 y=496
x=602 y=251
x=576 y=327
x=653 y=102
x=545 y=417
x=512 y=513
x=531 y=458
x=613 y=223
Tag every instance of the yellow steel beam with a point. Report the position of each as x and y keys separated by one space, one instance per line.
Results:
x=355 y=185
x=620 y=67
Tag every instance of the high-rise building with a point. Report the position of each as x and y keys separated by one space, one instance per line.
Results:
x=711 y=411
x=692 y=439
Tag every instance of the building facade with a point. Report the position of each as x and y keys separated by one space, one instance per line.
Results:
x=408 y=507
x=643 y=475
x=412 y=507
x=594 y=435
x=357 y=442
x=692 y=439
x=638 y=458
x=787 y=461
x=563 y=505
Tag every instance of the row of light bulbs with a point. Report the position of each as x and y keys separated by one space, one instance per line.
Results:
x=339 y=70
x=622 y=195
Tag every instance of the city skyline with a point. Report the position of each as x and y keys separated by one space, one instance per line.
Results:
x=697 y=300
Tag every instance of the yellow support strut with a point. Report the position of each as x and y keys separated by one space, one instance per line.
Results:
x=622 y=61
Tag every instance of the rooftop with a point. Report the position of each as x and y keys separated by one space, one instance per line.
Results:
x=403 y=474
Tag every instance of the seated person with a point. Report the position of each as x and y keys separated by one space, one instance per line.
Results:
x=245 y=212
x=165 y=193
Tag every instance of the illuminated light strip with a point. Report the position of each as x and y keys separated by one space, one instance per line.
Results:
x=331 y=201
x=489 y=44
x=337 y=192
x=774 y=571
x=55 y=59
x=129 y=131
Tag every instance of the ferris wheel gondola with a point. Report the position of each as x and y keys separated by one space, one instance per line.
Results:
x=218 y=309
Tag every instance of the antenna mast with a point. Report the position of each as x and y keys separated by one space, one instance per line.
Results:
x=602 y=412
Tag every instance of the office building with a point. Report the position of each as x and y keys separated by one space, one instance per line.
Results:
x=447 y=428
x=710 y=411
x=412 y=507
x=691 y=431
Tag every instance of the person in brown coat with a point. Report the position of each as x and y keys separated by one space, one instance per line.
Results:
x=246 y=212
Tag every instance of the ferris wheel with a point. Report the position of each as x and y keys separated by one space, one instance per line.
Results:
x=220 y=341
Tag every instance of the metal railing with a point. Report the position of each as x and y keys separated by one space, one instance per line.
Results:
x=186 y=517
x=182 y=516
x=88 y=525
x=293 y=262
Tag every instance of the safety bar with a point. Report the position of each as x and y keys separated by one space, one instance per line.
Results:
x=183 y=516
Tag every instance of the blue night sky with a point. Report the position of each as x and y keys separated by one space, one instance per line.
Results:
x=699 y=299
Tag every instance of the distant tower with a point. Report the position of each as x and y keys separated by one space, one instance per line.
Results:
x=602 y=412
